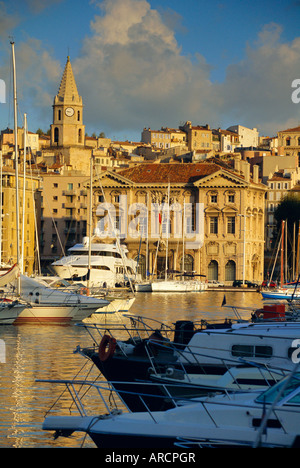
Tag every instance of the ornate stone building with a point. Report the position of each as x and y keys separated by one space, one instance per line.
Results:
x=220 y=211
x=289 y=140
x=28 y=213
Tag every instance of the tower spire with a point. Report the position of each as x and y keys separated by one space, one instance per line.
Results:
x=68 y=92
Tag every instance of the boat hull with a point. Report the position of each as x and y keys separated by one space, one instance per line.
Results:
x=9 y=314
x=53 y=314
x=284 y=295
x=178 y=286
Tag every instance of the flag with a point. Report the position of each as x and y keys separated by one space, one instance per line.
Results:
x=159 y=218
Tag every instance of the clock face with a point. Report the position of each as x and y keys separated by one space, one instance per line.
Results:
x=69 y=111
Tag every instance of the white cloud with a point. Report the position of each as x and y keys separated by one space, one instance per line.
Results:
x=38 y=77
x=132 y=74
x=257 y=91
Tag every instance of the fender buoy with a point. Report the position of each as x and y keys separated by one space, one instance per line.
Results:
x=107 y=347
x=84 y=291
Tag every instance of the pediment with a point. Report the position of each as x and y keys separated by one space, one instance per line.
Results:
x=221 y=178
x=111 y=179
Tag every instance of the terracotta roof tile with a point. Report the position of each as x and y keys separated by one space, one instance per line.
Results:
x=173 y=173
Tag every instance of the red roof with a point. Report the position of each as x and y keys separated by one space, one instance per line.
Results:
x=173 y=173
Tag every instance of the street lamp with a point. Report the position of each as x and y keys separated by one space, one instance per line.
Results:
x=244 y=244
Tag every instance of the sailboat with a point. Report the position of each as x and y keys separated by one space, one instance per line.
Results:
x=285 y=291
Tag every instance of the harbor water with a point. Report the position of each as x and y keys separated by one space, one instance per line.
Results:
x=32 y=352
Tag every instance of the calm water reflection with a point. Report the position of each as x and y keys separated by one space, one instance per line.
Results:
x=46 y=352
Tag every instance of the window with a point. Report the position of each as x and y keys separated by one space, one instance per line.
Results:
x=251 y=351
x=231 y=225
x=56 y=135
x=270 y=395
x=213 y=225
x=213 y=268
x=231 y=198
x=230 y=271
x=214 y=198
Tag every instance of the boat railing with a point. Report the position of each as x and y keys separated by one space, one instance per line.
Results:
x=136 y=328
x=105 y=390
x=268 y=373
x=112 y=400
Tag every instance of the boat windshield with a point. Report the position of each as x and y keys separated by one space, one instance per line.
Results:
x=292 y=389
x=98 y=253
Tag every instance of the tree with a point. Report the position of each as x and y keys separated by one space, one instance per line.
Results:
x=288 y=210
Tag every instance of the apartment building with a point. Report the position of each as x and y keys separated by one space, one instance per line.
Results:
x=248 y=137
x=26 y=229
x=198 y=137
x=165 y=138
x=64 y=213
x=289 y=141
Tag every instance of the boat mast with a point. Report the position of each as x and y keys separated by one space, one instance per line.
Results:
x=282 y=250
x=24 y=194
x=90 y=219
x=167 y=232
x=16 y=155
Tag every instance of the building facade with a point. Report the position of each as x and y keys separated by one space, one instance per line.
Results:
x=289 y=141
x=64 y=213
x=221 y=234
x=28 y=209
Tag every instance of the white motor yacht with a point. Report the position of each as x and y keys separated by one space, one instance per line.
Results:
x=108 y=265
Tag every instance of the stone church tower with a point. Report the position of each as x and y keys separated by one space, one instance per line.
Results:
x=67 y=128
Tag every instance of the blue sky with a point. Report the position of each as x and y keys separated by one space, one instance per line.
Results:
x=154 y=63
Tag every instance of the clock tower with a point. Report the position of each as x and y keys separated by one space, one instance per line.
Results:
x=67 y=128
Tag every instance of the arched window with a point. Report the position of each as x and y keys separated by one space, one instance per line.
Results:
x=59 y=114
x=78 y=116
x=187 y=264
x=56 y=135
x=141 y=259
x=288 y=141
x=213 y=269
x=80 y=136
x=230 y=270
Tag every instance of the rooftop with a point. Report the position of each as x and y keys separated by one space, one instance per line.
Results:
x=173 y=173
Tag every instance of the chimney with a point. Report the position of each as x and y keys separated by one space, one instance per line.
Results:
x=246 y=170
x=255 y=173
x=237 y=164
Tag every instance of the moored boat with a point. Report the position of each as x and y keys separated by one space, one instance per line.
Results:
x=267 y=418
